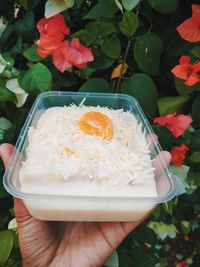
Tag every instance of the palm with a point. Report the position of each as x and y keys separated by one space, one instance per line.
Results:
x=67 y=244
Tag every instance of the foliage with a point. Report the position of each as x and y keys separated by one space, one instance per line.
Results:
x=135 y=46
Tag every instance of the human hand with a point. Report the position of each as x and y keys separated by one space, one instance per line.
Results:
x=53 y=244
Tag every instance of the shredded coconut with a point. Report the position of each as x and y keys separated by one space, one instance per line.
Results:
x=59 y=150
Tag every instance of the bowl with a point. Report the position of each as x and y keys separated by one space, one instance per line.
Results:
x=61 y=207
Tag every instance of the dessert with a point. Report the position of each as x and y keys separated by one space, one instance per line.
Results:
x=88 y=151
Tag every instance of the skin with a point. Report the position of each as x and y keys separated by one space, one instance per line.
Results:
x=70 y=244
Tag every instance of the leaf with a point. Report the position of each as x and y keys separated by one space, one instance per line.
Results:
x=164 y=6
x=196 y=51
x=6 y=243
x=195 y=157
x=142 y=87
x=26 y=25
x=119 y=5
x=183 y=89
x=54 y=7
x=181 y=172
x=95 y=85
x=129 y=23
x=20 y=94
x=5 y=124
x=185 y=227
x=31 y=54
x=163 y=230
x=79 y=3
x=168 y=105
x=117 y=70
x=130 y=4
x=196 y=111
x=103 y=9
x=24 y=3
x=104 y=28
x=36 y=80
x=111 y=47
x=147 y=51
x=3 y=64
x=101 y=62
x=113 y=260
x=5 y=94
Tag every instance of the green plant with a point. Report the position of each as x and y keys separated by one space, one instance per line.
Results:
x=135 y=42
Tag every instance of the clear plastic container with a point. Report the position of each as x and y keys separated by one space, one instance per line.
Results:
x=88 y=208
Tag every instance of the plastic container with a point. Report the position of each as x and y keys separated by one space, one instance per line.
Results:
x=87 y=208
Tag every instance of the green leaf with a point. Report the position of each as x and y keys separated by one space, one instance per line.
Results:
x=130 y=4
x=168 y=105
x=31 y=54
x=183 y=89
x=196 y=111
x=142 y=87
x=111 y=47
x=181 y=172
x=26 y=25
x=105 y=28
x=24 y=3
x=95 y=85
x=54 y=7
x=164 y=6
x=147 y=51
x=196 y=51
x=5 y=94
x=117 y=2
x=87 y=35
x=113 y=260
x=195 y=157
x=36 y=80
x=185 y=227
x=5 y=124
x=103 y=9
x=129 y=23
x=79 y=3
x=101 y=62
x=6 y=243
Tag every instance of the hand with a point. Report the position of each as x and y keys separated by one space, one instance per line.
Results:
x=56 y=244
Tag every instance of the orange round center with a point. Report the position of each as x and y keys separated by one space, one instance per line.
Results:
x=96 y=123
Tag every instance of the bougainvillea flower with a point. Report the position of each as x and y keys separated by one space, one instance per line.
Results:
x=186 y=71
x=71 y=54
x=177 y=125
x=178 y=154
x=54 y=27
x=46 y=45
x=190 y=29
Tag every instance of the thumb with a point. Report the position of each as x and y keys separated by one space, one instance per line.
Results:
x=21 y=212
x=6 y=151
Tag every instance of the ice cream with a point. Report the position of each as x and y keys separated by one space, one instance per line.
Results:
x=87 y=151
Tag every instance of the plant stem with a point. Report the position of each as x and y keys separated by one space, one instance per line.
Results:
x=116 y=90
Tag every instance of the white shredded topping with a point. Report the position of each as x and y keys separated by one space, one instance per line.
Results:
x=59 y=150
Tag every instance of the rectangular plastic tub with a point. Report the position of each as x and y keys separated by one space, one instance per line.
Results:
x=87 y=208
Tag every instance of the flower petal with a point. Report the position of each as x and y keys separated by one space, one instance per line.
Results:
x=60 y=62
x=180 y=72
x=196 y=13
x=178 y=154
x=192 y=79
x=179 y=124
x=189 y=30
x=184 y=60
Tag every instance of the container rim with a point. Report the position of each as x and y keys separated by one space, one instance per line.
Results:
x=13 y=161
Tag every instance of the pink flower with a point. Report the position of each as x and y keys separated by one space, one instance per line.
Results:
x=177 y=125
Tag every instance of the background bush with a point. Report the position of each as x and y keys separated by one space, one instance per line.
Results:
x=142 y=36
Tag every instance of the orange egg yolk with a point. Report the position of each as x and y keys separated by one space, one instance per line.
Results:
x=96 y=123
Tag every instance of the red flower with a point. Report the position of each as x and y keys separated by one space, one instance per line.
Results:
x=65 y=55
x=178 y=154
x=190 y=28
x=71 y=54
x=186 y=71
x=176 y=124
x=54 y=27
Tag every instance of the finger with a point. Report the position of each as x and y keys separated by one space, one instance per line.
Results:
x=161 y=161
x=151 y=139
x=6 y=151
x=21 y=212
